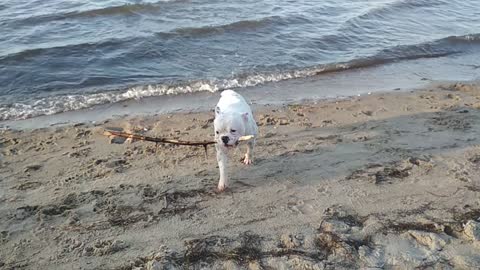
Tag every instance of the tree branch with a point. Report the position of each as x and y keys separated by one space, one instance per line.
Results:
x=155 y=139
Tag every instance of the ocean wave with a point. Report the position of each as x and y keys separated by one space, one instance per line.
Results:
x=125 y=9
x=396 y=6
x=56 y=104
x=245 y=25
x=68 y=49
x=117 y=10
x=466 y=39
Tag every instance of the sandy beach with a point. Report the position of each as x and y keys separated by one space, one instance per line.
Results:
x=387 y=181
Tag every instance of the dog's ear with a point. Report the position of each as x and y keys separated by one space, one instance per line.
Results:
x=217 y=110
x=245 y=116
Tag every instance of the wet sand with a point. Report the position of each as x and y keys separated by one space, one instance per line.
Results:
x=389 y=180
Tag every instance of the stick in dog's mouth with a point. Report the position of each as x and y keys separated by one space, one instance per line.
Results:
x=246 y=138
x=112 y=133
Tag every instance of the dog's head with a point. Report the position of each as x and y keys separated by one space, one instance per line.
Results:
x=229 y=127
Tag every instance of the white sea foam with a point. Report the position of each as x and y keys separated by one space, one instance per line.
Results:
x=57 y=104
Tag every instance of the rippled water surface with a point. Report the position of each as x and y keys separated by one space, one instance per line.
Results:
x=62 y=55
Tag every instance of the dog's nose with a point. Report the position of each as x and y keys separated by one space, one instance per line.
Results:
x=225 y=139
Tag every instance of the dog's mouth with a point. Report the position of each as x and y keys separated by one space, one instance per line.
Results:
x=231 y=145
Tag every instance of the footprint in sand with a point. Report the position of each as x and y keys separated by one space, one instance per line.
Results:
x=28 y=185
x=324 y=191
x=25 y=211
x=301 y=207
x=32 y=168
x=4 y=235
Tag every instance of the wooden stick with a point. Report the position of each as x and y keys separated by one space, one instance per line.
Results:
x=155 y=139
x=130 y=136
x=164 y=140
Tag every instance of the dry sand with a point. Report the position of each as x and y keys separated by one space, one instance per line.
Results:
x=390 y=180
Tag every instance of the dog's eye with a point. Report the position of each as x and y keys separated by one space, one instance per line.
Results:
x=233 y=130
x=217 y=132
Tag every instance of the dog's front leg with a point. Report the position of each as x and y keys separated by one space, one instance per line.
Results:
x=249 y=155
x=222 y=159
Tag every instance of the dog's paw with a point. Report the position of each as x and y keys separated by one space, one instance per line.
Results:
x=247 y=160
x=221 y=187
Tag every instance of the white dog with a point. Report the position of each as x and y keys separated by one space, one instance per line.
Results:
x=233 y=119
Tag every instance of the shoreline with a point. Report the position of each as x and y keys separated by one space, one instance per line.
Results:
x=387 y=180
x=403 y=75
